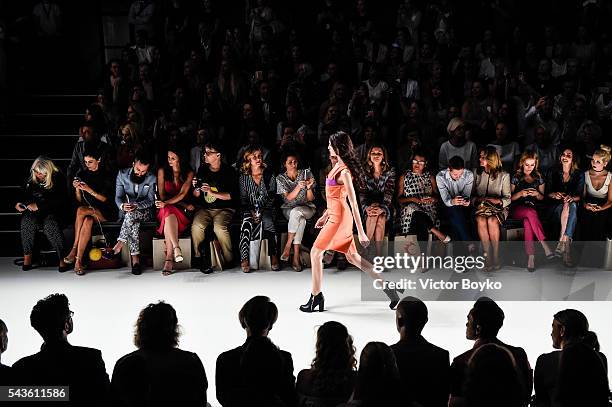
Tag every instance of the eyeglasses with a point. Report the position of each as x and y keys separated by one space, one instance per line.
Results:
x=71 y=314
x=89 y=161
x=210 y=152
x=420 y=162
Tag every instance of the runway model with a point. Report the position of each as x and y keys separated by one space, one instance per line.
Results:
x=337 y=221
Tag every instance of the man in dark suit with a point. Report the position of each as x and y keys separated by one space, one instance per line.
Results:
x=423 y=367
x=59 y=363
x=484 y=321
x=235 y=381
x=5 y=371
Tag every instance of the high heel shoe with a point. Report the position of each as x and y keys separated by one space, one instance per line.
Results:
x=68 y=259
x=178 y=255
x=314 y=302
x=393 y=296
x=78 y=269
x=165 y=271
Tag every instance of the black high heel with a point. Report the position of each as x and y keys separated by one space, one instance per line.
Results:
x=313 y=302
x=393 y=296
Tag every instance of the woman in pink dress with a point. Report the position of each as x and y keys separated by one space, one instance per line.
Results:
x=174 y=182
x=337 y=221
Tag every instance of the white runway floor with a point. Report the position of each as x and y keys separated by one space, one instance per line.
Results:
x=106 y=305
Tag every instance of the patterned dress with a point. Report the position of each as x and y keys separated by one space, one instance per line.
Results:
x=417 y=186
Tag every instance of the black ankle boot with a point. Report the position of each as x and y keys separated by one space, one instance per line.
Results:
x=392 y=294
x=314 y=302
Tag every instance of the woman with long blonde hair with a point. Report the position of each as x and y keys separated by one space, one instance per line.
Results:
x=40 y=204
x=596 y=216
x=492 y=198
x=527 y=189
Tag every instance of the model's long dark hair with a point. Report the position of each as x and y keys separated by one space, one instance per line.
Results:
x=343 y=146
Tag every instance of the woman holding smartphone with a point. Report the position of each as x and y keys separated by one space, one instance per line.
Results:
x=595 y=218
x=527 y=189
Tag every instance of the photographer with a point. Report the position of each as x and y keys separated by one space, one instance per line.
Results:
x=215 y=188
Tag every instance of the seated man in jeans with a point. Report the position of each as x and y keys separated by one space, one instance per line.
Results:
x=216 y=191
x=455 y=187
x=135 y=198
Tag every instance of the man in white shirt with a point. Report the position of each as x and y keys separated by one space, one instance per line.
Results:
x=455 y=187
x=457 y=145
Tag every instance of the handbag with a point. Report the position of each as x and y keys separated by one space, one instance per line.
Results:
x=488 y=209
x=101 y=255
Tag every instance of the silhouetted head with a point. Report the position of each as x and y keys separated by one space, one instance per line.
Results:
x=258 y=315
x=484 y=320
x=157 y=327
x=52 y=318
x=335 y=349
x=571 y=326
x=411 y=316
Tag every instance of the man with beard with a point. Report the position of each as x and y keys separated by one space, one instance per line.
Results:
x=135 y=197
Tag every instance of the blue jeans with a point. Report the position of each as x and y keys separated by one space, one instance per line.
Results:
x=458 y=217
x=571 y=219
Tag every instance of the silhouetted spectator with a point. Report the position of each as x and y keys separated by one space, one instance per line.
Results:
x=424 y=368
x=235 y=377
x=158 y=373
x=378 y=379
x=5 y=371
x=59 y=363
x=575 y=375
x=484 y=321
x=492 y=379
x=332 y=375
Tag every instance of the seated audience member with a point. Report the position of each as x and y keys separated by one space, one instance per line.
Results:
x=566 y=186
x=455 y=185
x=492 y=379
x=94 y=189
x=236 y=375
x=253 y=140
x=378 y=379
x=576 y=374
x=257 y=190
x=173 y=183
x=296 y=186
x=197 y=152
x=508 y=150
x=377 y=196
x=135 y=198
x=90 y=139
x=492 y=198
x=484 y=321
x=6 y=375
x=595 y=215
x=457 y=145
x=216 y=192
x=424 y=368
x=546 y=151
x=370 y=138
x=59 y=363
x=528 y=188
x=129 y=143
x=417 y=196
x=331 y=378
x=41 y=203
x=158 y=373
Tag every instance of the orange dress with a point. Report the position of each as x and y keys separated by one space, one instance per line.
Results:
x=337 y=233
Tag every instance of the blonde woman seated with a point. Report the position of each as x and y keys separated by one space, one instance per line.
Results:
x=492 y=199
x=376 y=198
x=418 y=196
x=296 y=187
x=527 y=189
x=257 y=191
x=40 y=204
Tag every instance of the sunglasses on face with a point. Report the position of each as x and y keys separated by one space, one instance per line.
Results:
x=420 y=162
